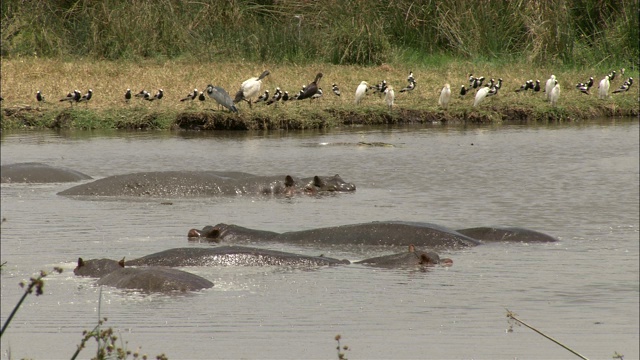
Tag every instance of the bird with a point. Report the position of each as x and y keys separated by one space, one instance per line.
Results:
x=86 y=97
x=285 y=96
x=72 y=97
x=590 y=83
x=389 y=96
x=445 y=96
x=311 y=89
x=526 y=86
x=142 y=93
x=221 y=96
x=317 y=95
x=409 y=87
x=472 y=80
x=276 y=96
x=463 y=90
x=551 y=82
x=127 y=96
x=410 y=78
x=477 y=82
x=612 y=75
x=536 y=87
x=250 y=88
x=480 y=95
x=201 y=97
x=264 y=97
x=191 y=96
x=335 y=89
x=361 y=90
x=625 y=86
x=381 y=87
x=40 y=97
x=157 y=96
x=583 y=88
x=555 y=94
x=603 y=89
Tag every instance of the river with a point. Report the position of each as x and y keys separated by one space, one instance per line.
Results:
x=578 y=182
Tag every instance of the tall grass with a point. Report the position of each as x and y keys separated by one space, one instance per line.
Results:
x=364 y=32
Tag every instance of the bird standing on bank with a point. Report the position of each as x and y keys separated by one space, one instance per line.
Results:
x=603 y=89
x=625 y=86
x=555 y=94
x=551 y=82
x=311 y=89
x=221 y=96
x=389 y=96
x=86 y=97
x=335 y=89
x=361 y=90
x=463 y=91
x=445 y=95
x=480 y=95
x=191 y=96
x=127 y=96
x=40 y=97
x=250 y=88
x=262 y=98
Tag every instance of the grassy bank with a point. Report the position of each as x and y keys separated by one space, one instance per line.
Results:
x=22 y=77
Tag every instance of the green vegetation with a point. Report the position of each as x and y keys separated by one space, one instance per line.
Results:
x=570 y=32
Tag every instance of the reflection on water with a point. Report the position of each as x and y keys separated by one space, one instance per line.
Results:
x=576 y=181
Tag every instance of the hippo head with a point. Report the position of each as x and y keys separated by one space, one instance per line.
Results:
x=97 y=267
x=210 y=233
x=330 y=183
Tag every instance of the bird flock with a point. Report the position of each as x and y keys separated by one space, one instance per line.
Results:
x=250 y=91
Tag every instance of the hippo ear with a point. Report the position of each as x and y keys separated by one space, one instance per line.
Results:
x=289 y=182
x=412 y=248
x=80 y=262
x=121 y=262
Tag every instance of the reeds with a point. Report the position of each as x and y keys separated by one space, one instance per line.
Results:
x=364 y=32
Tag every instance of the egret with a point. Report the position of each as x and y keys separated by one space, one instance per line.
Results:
x=250 y=88
x=603 y=89
x=191 y=96
x=40 y=97
x=389 y=96
x=311 y=89
x=551 y=82
x=361 y=90
x=555 y=94
x=221 y=96
x=480 y=95
x=335 y=89
x=445 y=96
x=127 y=96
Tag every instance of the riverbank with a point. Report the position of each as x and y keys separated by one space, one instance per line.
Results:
x=22 y=77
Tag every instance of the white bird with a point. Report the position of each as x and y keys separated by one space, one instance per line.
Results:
x=389 y=96
x=555 y=94
x=549 y=86
x=603 y=89
x=480 y=95
x=445 y=96
x=361 y=90
x=250 y=88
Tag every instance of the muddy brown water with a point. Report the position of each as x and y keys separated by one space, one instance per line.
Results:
x=578 y=182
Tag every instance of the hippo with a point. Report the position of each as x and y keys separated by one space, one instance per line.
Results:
x=207 y=183
x=231 y=256
x=33 y=172
x=386 y=233
x=97 y=267
x=506 y=234
x=411 y=258
x=154 y=279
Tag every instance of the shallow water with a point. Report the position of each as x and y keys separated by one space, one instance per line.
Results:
x=578 y=182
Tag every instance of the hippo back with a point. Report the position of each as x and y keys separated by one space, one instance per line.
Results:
x=155 y=279
x=34 y=172
x=506 y=234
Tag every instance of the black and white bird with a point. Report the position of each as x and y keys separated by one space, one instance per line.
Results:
x=262 y=98
x=285 y=96
x=380 y=87
x=72 y=97
x=191 y=96
x=142 y=94
x=463 y=90
x=335 y=89
x=612 y=75
x=157 y=96
x=277 y=95
x=625 y=86
x=310 y=89
x=86 y=97
x=526 y=86
x=127 y=96
x=409 y=87
x=583 y=88
x=201 y=97
x=317 y=95
x=477 y=82
x=40 y=97
x=536 y=87
x=250 y=88
x=410 y=78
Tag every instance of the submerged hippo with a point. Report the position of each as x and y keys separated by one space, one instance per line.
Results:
x=207 y=183
x=506 y=234
x=147 y=279
x=231 y=256
x=155 y=279
x=33 y=172
x=411 y=258
x=394 y=233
